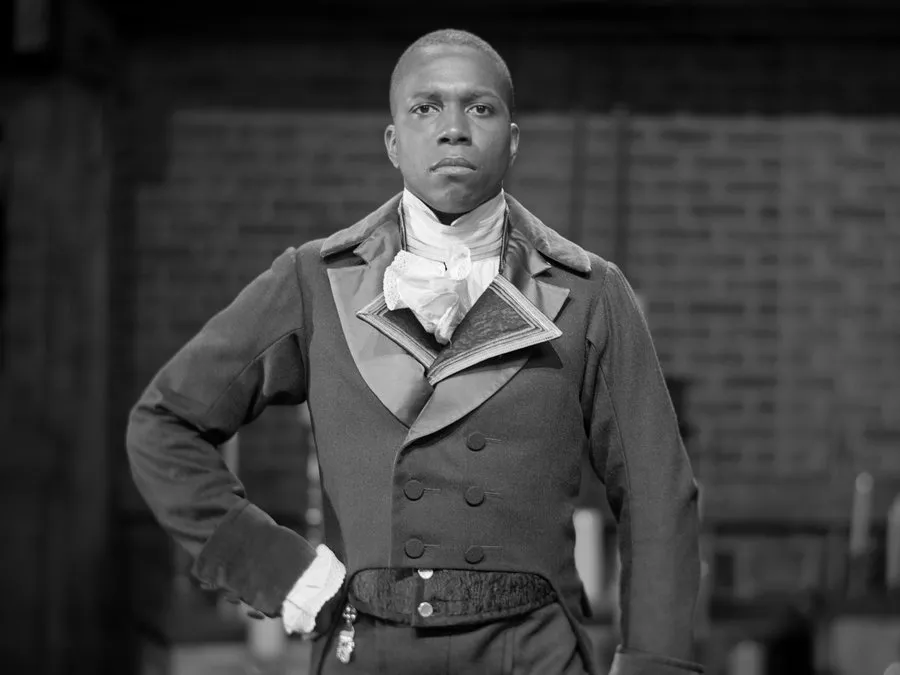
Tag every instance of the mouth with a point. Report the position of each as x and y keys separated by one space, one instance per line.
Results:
x=453 y=165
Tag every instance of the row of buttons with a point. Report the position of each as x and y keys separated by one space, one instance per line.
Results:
x=414 y=490
x=415 y=548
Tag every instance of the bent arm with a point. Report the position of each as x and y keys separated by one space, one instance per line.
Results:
x=250 y=355
x=636 y=450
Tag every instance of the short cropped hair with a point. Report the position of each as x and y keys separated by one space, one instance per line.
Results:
x=451 y=37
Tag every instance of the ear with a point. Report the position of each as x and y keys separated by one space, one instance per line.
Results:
x=390 y=144
x=513 y=142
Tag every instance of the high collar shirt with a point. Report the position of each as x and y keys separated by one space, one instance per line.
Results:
x=479 y=230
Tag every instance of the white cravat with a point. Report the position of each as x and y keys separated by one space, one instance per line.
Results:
x=446 y=267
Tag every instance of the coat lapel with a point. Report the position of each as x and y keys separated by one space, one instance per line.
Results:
x=401 y=326
x=502 y=320
x=395 y=376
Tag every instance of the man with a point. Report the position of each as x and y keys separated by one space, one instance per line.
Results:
x=458 y=358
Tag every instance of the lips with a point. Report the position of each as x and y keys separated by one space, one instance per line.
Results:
x=460 y=162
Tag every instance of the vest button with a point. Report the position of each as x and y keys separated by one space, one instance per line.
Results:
x=414 y=548
x=425 y=609
x=426 y=574
x=474 y=555
x=474 y=496
x=476 y=441
x=414 y=490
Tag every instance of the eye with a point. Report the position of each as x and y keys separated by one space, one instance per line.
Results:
x=424 y=109
x=481 y=109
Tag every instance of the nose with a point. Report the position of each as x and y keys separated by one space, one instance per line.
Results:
x=456 y=127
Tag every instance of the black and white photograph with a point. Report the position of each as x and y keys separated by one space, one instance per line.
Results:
x=495 y=337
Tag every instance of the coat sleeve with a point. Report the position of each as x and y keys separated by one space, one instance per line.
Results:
x=636 y=450
x=250 y=355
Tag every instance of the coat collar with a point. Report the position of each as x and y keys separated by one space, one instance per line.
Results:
x=544 y=240
x=426 y=387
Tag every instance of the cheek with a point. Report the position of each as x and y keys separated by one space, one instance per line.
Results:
x=496 y=143
x=499 y=153
x=407 y=147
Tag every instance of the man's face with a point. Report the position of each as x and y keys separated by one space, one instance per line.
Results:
x=452 y=138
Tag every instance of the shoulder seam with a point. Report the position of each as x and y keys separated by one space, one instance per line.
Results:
x=599 y=295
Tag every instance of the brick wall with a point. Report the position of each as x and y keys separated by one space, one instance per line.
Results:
x=766 y=251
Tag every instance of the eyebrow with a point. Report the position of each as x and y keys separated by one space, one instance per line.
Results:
x=469 y=95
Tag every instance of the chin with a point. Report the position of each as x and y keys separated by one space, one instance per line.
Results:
x=454 y=200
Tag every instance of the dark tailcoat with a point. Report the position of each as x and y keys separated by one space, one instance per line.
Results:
x=466 y=457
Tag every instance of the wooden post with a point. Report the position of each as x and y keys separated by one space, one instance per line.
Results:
x=746 y=658
x=56 y=375
x=589 y=554
x=892 y=567
x=860 y=531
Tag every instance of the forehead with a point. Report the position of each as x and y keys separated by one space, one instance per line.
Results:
x=440 y=67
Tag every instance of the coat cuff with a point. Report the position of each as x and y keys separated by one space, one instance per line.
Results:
x=628 y=662
x=251 y=556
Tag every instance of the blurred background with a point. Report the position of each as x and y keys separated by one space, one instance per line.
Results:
x=739 y=159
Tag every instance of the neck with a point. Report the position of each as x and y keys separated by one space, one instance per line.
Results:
x=449 y=217
x=445 y=218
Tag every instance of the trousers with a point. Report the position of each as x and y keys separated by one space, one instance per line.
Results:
x=541 y=642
